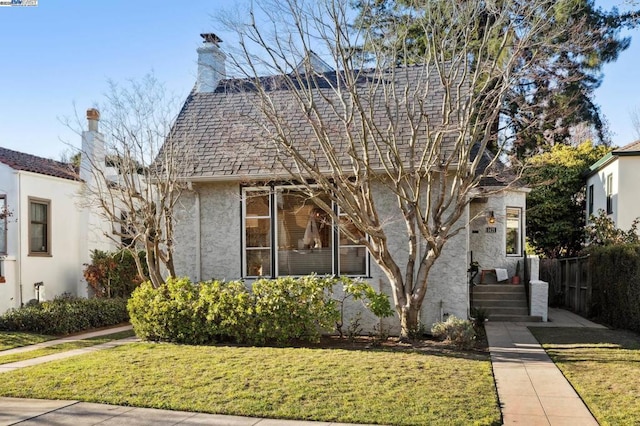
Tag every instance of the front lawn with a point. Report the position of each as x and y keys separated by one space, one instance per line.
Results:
x=11 y=339
x=602 y=365
x=338 y=385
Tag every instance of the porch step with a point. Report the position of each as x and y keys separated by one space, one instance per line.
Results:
x=515 y=318
x=503 y=302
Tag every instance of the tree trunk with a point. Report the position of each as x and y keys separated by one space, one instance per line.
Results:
x=408 y=321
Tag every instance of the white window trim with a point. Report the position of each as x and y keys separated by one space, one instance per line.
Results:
x=520 y=232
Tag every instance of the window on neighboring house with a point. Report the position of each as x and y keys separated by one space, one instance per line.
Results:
x=39 y=226
x=287 y=233
x=609 y=193
x=514 y=231
x=590 y=200
x=3 y=225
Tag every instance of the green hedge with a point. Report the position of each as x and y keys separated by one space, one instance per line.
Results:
x=65 y=315
x=615 y=281
x=277 y=310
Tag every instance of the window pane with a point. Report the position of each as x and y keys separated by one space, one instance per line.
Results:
x=347 y=226
x=38 y=212
x=38 y=240
x=258 y=232
x=257 y=203
x=513 y=232
x=305 y=235
x=258 y=262
x=353 y=260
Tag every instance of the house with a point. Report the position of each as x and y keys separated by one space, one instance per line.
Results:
x=46 y=234
x=245 y=218
x=611 y=185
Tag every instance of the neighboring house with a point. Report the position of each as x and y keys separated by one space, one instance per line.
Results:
x=243 y=220
x=612 y=185
x=46 y=235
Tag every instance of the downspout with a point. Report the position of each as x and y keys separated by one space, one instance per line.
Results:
x=198 y=237
x=19 y=252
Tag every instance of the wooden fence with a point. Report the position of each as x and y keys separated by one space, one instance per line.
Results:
x=569 y=282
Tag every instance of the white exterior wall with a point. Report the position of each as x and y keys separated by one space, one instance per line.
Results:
x=599 y=182
x=626 y=198
x=489 y=249
x=60 y=271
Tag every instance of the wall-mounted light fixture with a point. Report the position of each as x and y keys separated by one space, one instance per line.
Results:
x=491 y=219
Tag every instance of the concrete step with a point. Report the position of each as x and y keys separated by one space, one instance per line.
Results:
x=499 y=288
x=499 y=310
x=515 y=318
x=499 y=296
x=505 y=303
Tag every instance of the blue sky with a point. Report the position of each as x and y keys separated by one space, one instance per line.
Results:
x=56 y=58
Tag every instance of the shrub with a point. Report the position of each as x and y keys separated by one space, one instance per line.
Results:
x=168 y=313
x=615 y=278
x=277 y=310
x=65 y=315
x=456 y=331
x=113 y=274
x=294 y=308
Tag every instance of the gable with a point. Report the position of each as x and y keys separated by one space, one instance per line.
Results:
x=227 y=135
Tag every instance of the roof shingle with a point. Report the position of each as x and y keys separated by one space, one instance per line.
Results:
x=32 y=163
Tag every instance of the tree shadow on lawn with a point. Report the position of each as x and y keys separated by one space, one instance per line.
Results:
x=572 y=344
x=425 y=345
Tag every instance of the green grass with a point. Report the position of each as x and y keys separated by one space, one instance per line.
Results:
x=602 y=365
x=361 y=386
x=67 y=346
x=11 y=339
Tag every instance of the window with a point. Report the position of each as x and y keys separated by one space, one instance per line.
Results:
x=285 y=232
x=590 y=200
x=3 y=225
x=39 y=230
x=609 y=193
x=514 y=232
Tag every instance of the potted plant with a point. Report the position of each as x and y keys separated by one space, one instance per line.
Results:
x=516 y=278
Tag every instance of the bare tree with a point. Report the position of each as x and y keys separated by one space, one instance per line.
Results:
x=133 y=173
x=417 y=131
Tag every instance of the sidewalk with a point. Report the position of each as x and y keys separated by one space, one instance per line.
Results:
x=45 y=412
x=531 y=389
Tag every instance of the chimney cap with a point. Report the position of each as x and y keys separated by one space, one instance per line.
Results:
x=93 y=114
x=211 y=38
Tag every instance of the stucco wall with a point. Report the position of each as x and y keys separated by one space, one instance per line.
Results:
x=9 y=290
x=220 y=251
x=489 y=249
x=220 y=245
x=626 y=191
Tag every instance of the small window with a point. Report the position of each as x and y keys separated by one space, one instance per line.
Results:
x=39 y=227
x=590 y=200
x=353 y=254
x=3 y=225
x=514 y=231
x=609 y=194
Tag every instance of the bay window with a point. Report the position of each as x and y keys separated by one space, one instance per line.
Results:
x=285 y=232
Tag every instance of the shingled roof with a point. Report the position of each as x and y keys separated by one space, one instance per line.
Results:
x=631 y=149
x=32 y=163
x=227 y=136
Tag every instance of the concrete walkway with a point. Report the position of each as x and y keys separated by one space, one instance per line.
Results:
x=66 y=354
x=531 y=389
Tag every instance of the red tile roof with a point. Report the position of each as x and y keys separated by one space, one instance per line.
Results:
x=31 y=163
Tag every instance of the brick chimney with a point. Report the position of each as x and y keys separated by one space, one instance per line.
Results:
x=211 y=68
